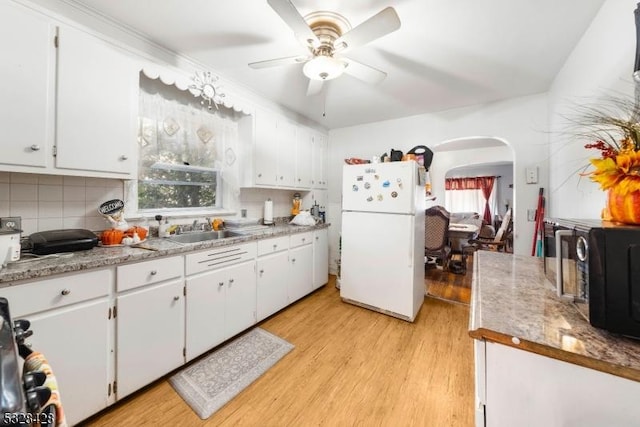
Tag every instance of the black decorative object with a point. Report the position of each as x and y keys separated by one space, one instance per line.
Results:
x=636 y=67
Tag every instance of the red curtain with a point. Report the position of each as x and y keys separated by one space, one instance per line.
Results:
x=486 y=185
x=483 y=183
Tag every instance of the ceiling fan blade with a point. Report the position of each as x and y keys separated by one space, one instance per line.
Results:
x=279 y=61
x=295 y=21
x=381 y=24
x=315 y=87
x=363 y=72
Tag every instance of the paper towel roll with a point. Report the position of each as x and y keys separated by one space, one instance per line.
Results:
x=268 y=212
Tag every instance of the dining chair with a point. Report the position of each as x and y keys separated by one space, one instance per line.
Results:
x=436 y=235
x=502 y=241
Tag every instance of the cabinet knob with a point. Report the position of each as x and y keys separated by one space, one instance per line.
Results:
x=259 y=175
x=281 y=178
x=221 y=284
x=293 y=260
x=124 y=157
x=153 y=272
x=299 y=180
x=35 y=147
x=304 y=238
x=275 y=246
x=261 y=271
x=176 y=298
x=65 y=291
x=317 y=238
x=230 y=281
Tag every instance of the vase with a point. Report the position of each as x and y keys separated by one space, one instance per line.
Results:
x=625 y=209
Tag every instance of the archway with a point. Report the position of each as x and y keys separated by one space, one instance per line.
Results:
x=470 y=152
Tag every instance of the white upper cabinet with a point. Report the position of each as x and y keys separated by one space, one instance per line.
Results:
x=286 y=153
x=304 y=159
x=319 y=161
x=96 y=105
x=265 y=156
x=26 y=86
x=278 y=153
x=65 y=110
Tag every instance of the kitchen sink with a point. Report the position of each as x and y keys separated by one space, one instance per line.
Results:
x=201 y=236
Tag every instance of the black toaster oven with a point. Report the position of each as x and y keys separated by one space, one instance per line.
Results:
x=595 y=265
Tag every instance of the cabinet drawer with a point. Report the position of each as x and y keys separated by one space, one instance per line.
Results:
x=270 y=246
x=148 y=272
x=301 y=239
x=58 y=292
x=219 y=257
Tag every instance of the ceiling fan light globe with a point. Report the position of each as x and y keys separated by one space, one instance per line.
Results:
x=323 y=68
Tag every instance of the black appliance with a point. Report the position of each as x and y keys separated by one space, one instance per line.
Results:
x=596 y=265
x=55 y=241
x=22 y=395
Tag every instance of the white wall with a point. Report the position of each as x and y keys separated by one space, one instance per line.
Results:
x=601 y=63
x=521 y=122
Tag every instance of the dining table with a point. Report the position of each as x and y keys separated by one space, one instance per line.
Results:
x=459 y=235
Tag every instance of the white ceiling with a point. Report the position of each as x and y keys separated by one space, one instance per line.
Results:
x=447 y=53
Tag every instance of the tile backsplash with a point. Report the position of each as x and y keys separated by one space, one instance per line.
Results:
x=49 y=202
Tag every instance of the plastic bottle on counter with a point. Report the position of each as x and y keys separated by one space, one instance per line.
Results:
x=163 y=229
x=321 y=214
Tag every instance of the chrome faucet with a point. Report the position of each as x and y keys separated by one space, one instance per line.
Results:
x=201 y=226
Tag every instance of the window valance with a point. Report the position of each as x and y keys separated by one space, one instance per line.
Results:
x=183 y=82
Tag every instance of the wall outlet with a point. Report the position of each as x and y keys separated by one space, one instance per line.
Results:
x=532 y=175
x=531 y=215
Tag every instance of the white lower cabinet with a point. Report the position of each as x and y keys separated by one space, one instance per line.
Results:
x=518 y=388
x=320 y=258
x=273 y=274
x=149 y=321
x=72 y=328
x=300 y=278
x=150 y=334
x=74 y=341
x=221 y=302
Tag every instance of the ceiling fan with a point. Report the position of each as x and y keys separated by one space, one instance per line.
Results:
x=327 y=35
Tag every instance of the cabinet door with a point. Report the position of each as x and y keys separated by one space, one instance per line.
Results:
x=150 y=335
x=26 y=86
x=301 y=272
x=271 y=293
x=319 y=161
x=304 y=158
x=320 y=258
x=75 y=341
x=286 y=142
x=205 y=312
x=265 y=155
x=240 y=302
x=96 y=105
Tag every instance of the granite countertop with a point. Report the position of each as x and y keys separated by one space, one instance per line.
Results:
x=512 y=303
x=105 y=256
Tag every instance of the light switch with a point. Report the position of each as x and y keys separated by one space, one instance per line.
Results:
x=532 y=175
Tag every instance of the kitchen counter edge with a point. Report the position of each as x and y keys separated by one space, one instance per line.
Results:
x=513 y=304
x=108 y=256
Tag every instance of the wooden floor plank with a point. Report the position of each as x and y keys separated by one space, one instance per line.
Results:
x=350 y=366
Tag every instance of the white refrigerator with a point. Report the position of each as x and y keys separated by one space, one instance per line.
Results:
x=382 y=255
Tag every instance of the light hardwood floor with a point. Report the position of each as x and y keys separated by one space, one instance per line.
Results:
x=350 y=366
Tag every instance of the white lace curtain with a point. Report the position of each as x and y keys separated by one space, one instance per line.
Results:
x=175 y=128
x=469 y=201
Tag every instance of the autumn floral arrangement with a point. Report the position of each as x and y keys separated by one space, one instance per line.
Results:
x=613 y=127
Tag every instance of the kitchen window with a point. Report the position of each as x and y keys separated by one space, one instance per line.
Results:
x=184 y=150
x=175 y=186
